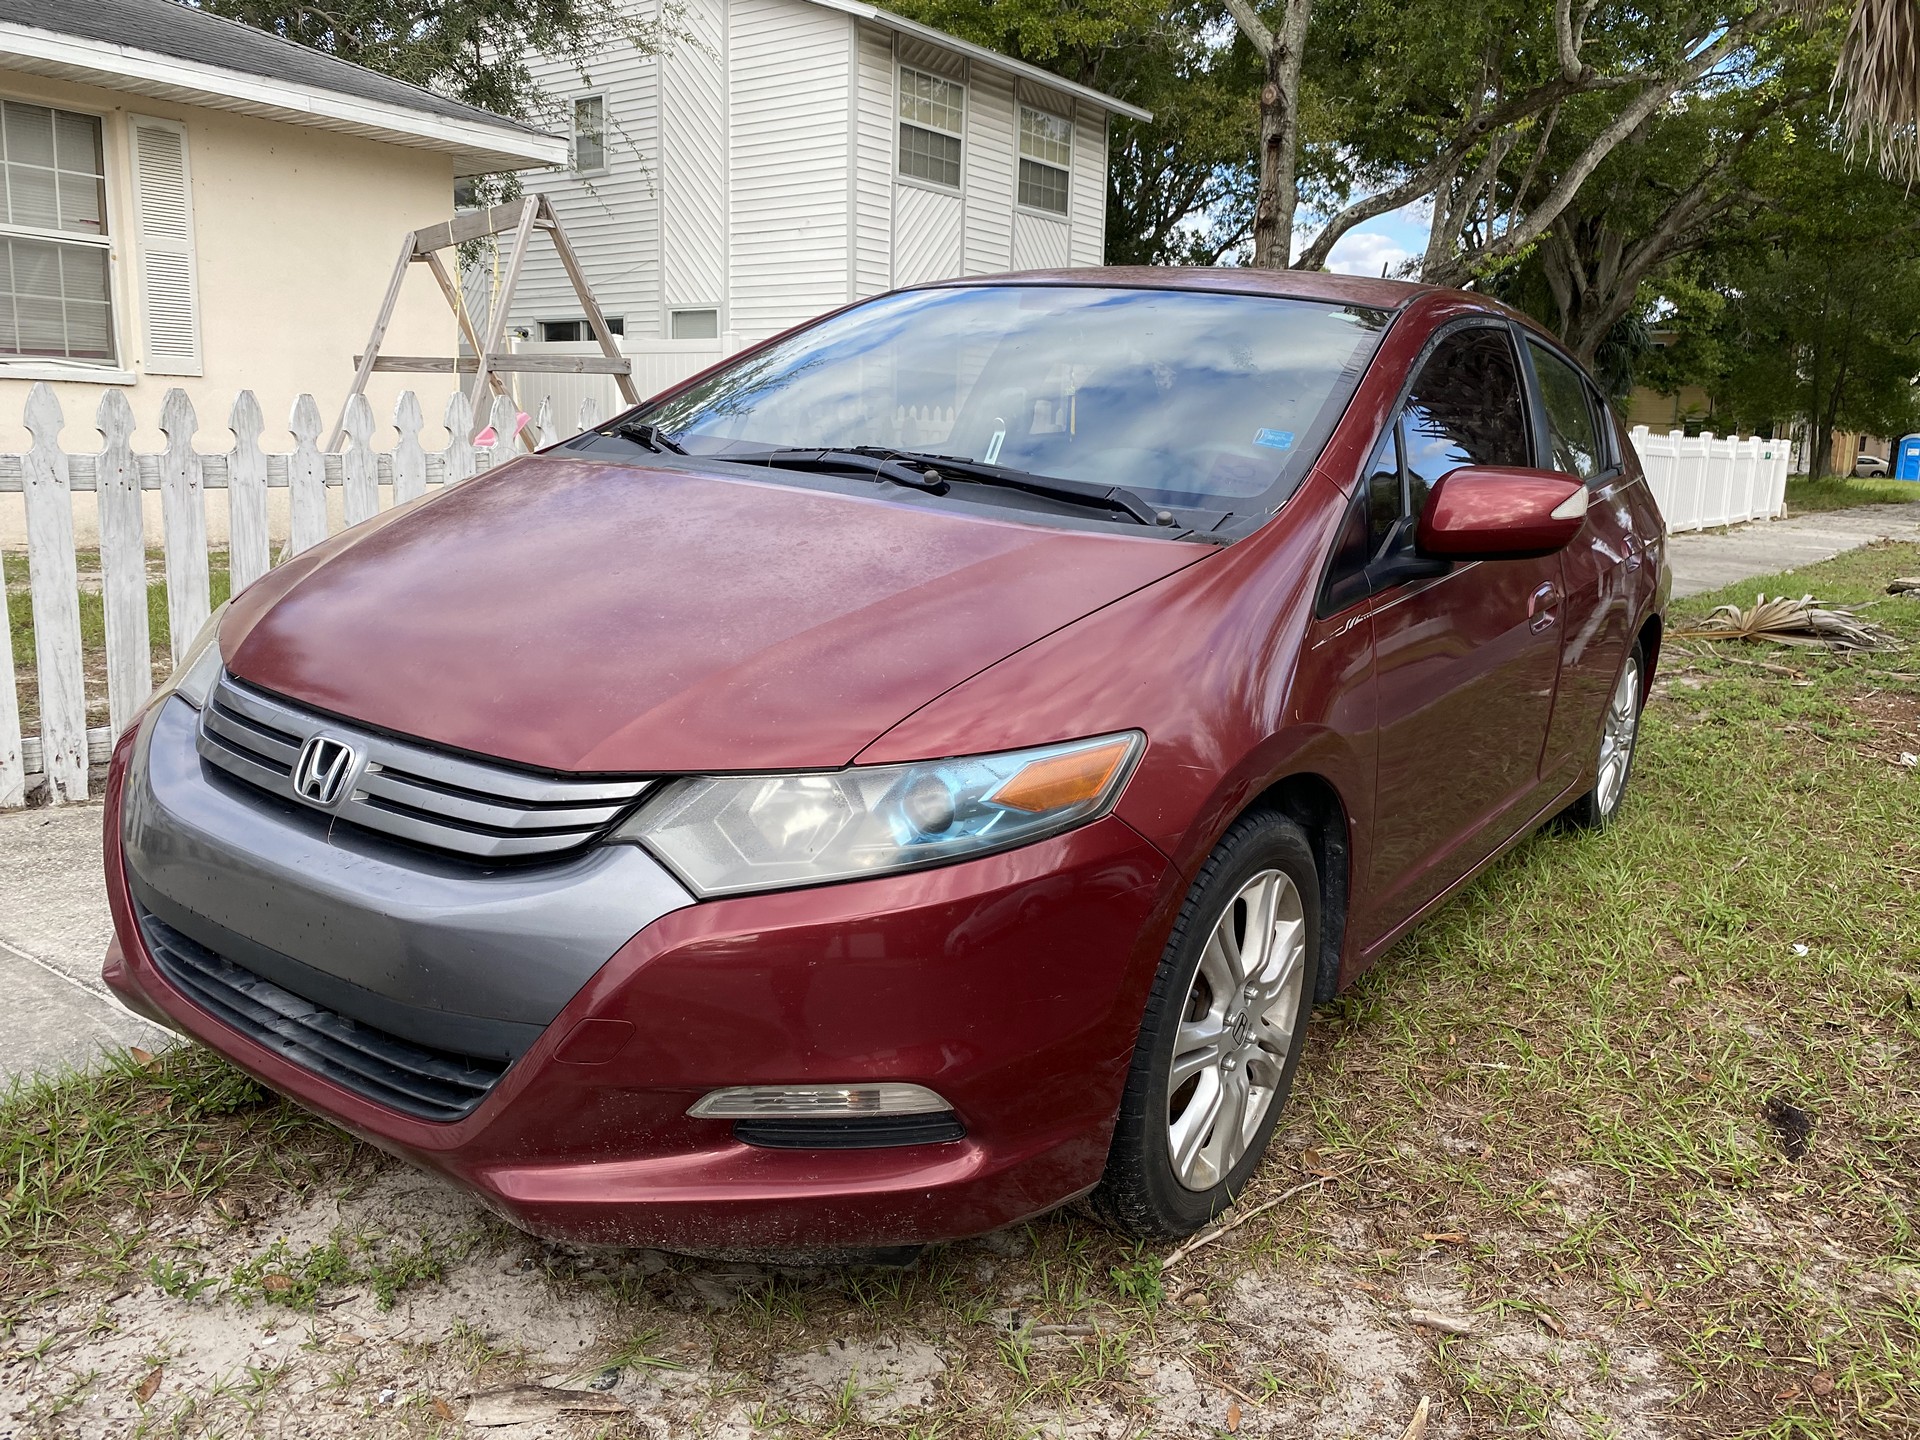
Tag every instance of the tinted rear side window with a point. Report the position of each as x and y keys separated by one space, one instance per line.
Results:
x=1464 y=409
x=1573 y=443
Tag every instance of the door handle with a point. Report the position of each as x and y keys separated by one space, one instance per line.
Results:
x=1633 y=549
x=1540 y=606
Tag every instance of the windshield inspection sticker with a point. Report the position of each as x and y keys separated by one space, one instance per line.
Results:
x=1275 y=439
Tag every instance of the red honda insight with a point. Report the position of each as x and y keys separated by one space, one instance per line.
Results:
x=922 y=770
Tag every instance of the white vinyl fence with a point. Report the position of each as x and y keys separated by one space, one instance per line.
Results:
x=1710 y=480
x=49 y=475
x=657 y=365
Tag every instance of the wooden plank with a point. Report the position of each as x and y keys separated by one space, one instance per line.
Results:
x=13 y=770
x=459 y=303
x=409 y=460
x=571 y=263
x=52 y=574
x=506 y=362
x=509 y=283
x=306 y=476
x=380 y=323
x=183 y=511
x=459 y=462
x=123 y=563
x=359 y=471
x=474 y=225
x=249 y=549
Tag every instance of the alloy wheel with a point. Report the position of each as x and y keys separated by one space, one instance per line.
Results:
x=1236 y=1029
x=1617 y=734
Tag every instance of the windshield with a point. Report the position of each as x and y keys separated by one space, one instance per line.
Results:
x=1192 y=398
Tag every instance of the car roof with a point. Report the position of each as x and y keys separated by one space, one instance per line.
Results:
x=1374 y=294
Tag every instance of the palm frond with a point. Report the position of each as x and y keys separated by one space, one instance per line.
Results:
x=1791 y=622
x=1878 y=80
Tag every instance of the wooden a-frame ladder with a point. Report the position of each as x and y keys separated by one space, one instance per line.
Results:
x=522 y=217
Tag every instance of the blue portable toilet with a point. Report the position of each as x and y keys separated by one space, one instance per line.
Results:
x=1906 y=465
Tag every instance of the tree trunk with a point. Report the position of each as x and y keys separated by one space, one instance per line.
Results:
x=1274 y=204
x=1277 y=198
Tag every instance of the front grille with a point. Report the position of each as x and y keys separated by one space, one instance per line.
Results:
x=430 y=1084
x=407 y=790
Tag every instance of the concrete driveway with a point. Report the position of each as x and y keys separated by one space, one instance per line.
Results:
x=53 y=931
x=53 y=906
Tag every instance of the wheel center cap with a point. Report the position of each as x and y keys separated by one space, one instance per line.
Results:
x=1241 y=1029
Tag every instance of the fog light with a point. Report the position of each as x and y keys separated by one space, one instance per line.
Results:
x=771 y=1102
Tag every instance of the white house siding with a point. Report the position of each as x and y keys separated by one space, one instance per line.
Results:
x=613 y=219
x=927 y=229
x=1040 y=243
x=989 y=166
x=789 y=163
x=873 y=137
x=1088 y=186
x=693 y=163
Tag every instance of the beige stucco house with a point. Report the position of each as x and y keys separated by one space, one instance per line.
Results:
x=188 y=201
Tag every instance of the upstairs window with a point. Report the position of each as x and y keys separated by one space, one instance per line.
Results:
x=1046 y=158
x=589 y=134
x=55 y=298
x=932 y=116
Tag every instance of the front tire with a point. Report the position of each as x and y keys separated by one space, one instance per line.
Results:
x=1619 y=731
x=1222 y=1034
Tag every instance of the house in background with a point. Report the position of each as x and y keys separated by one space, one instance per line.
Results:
x=792 y=155
x=189 y=201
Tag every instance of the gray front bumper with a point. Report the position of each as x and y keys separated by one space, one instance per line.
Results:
x=444 y=953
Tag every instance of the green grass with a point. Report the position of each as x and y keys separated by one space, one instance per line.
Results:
x=1552 y=1100
x=1842 y=492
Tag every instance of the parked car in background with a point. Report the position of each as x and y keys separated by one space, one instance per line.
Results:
x=1864 y=464
x=921 y=771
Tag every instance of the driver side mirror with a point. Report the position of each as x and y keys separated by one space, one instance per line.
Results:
x=1488 y=512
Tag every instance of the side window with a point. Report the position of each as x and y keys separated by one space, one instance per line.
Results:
x=1609 y=429
x=1372 y=521
x=1573 y=442
x=1464 y=409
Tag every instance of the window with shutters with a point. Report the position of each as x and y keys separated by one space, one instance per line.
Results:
x=1046 y=158
x=169 y=279
x=56 y=294
x=932 y=115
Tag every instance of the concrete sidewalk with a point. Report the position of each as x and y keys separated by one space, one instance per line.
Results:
x=1712 y=558
x=53 y=930
x=53 y=906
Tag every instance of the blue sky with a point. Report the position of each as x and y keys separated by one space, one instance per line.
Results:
x=1387 y=241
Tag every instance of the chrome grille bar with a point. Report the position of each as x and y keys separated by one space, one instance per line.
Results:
x=410 y=791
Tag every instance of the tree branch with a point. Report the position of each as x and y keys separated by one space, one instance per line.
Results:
x=1252 y=26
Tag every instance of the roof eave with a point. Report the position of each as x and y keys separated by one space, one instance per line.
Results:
x=475 y=148
x=985 y=54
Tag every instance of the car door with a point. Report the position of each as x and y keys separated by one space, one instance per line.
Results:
x=1576 y=436
x=1466 y=655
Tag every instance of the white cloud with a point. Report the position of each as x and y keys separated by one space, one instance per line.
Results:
x=1362 y=252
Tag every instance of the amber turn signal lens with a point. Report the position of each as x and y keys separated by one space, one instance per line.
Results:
x=1059 y=780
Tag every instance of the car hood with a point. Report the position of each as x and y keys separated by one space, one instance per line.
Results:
x=579 y=615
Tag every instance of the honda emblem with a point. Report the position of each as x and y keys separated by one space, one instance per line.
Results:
x=325 y=766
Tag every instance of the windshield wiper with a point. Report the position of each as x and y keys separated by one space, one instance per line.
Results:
x=650 y=436
x=1105 y=497
x=862 y=459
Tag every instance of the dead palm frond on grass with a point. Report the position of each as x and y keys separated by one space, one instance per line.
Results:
x=1791 y=622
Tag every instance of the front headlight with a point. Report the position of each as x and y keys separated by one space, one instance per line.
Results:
x=192 y=679
x=723 y=835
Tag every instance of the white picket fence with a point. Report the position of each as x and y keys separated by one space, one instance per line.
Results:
x=1708 y=480
x=49 y=476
